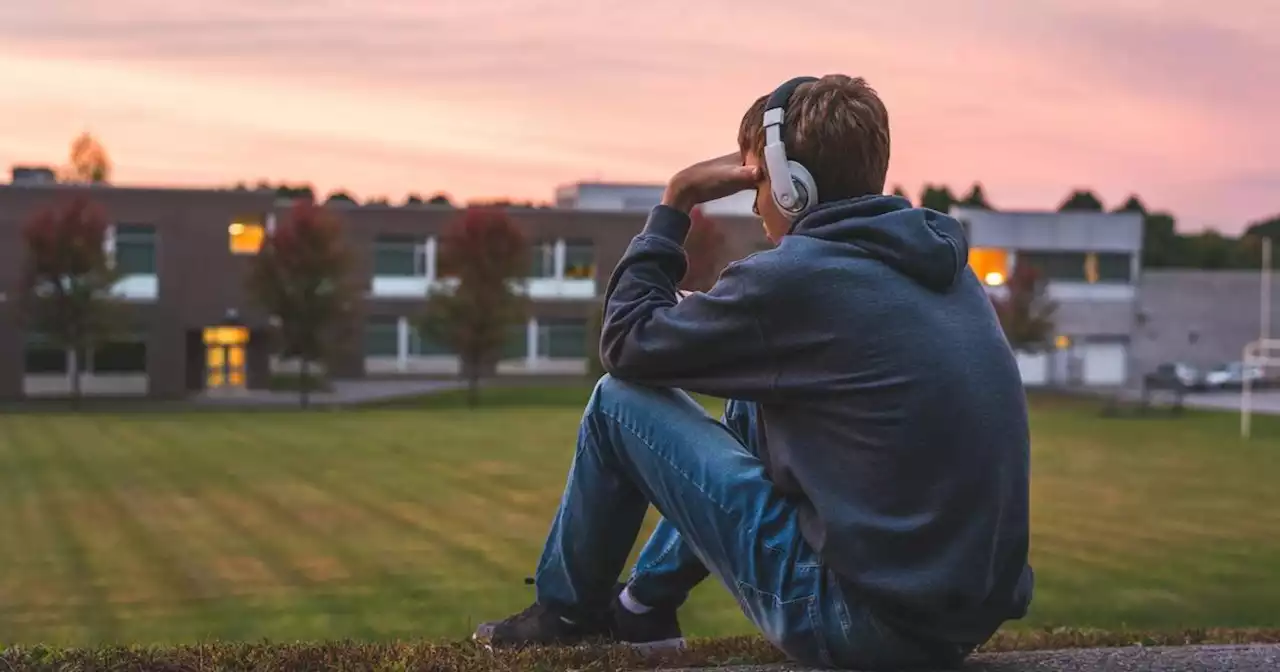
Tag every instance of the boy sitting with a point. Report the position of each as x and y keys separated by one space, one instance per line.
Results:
x=864 y=497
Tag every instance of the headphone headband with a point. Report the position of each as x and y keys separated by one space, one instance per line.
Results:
x=782 y=95
x=781 y=176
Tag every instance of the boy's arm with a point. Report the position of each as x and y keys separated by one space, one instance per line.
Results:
x=708 y=342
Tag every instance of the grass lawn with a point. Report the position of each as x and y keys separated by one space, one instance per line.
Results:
x=423 y=519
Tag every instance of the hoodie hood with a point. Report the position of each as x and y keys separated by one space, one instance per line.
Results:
x=926 y=245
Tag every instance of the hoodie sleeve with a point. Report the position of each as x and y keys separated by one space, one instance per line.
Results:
x=711 y=342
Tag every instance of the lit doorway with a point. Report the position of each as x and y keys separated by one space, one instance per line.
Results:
x=224 y=347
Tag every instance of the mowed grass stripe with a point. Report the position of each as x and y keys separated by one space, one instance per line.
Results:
x=312 y=595
x=411 y=592
x=161 y=508
x=192 y=471
x=480 y=556
x=171 y=583
x=85 y=595
x=447 y=527
x=316 y=599
x=23 y=525
x=1123 y=536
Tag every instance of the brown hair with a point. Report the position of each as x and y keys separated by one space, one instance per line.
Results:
x=838 y=128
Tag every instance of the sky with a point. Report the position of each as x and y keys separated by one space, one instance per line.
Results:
x=1175 y=100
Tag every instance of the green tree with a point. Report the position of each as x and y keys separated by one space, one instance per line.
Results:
x=301 y=192
x=486 y=258
x=1160 y=244
x=440 y=199
x=67 y=277
x=900 y=192
x=1081 y=200
x=977 y=198
x=1162 y=247
x=1266 y=228
x=1132 y=204
x=937 y=198
x=302 y=277
x=340 y=196
x=1211 y=250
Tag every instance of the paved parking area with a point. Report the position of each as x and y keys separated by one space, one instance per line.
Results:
x=1255 y=658
x=1265 y=402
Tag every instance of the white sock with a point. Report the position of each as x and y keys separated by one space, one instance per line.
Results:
x=631 y=604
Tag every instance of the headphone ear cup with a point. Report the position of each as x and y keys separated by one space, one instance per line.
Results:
x=806 y=189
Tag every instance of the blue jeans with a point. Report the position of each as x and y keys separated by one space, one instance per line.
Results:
x=720 y=515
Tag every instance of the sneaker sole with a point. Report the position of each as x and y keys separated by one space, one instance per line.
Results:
x=645 y=648
x=660 y=646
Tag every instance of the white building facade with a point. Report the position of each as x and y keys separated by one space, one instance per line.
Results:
x=1092 y=263
x=619 y=196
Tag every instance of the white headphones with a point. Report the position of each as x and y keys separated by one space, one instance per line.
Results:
x=794 y=191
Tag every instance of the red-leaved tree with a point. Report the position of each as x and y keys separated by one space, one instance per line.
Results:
x=485 y=259
x=705 y=248
x=1025 y=311
x=67 y=279
x=302 y=277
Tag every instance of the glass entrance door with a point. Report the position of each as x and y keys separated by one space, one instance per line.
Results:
x=225 y=357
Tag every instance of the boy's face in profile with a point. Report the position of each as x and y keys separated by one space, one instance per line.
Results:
x=775 y=225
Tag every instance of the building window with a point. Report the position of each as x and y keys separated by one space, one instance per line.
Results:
x=579 y=260
x=134 y=248
x=1087 y=267
x=121 y=355
x=399 y=256
x=566 y=338
x=990 y=264
x=543 y=261
x=41 y=356
x=381 y=337
x=1113 y=266
x=246 y=234
x=424 y=345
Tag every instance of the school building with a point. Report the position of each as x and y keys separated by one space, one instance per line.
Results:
x=190 y=324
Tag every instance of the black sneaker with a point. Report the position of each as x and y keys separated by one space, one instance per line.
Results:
x=538 y=625
x=655 y=631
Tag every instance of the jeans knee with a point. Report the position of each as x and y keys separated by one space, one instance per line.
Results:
x=641 y=403
x=611 y=389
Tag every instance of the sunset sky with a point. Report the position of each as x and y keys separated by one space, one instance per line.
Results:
x=1177 y=100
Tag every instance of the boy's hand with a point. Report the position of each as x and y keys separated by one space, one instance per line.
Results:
x=709 y=180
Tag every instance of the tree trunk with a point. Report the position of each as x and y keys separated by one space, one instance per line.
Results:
x=73 y=369
x=473 y=384
x=304 y=383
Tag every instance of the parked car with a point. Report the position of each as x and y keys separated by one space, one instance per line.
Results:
x=1231 y=375
x=1176 y=374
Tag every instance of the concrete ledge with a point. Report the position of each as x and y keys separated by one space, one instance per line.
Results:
x=465 y=656
x=1244 y=658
